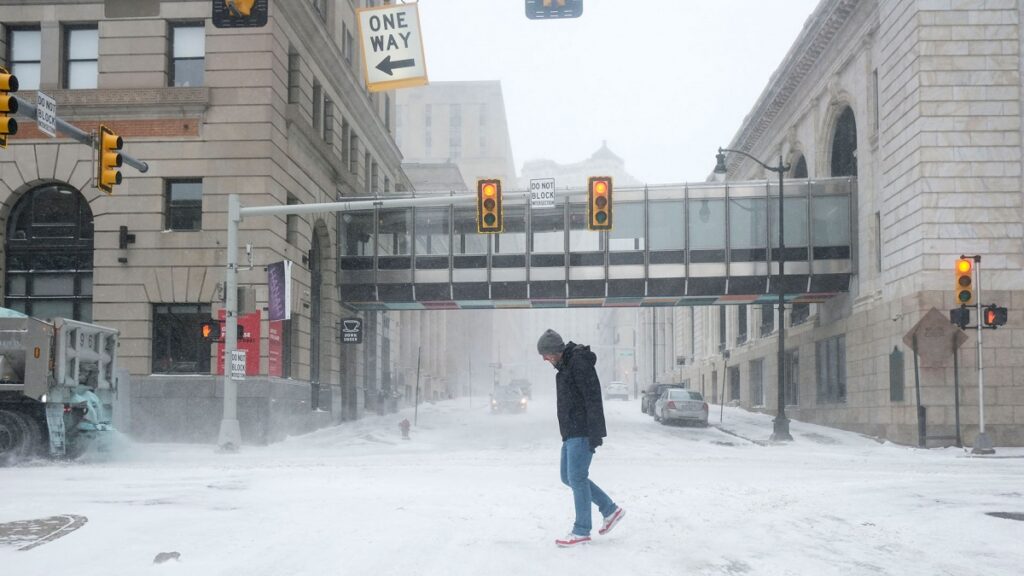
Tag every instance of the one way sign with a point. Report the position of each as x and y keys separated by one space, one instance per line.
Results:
x=392 y=47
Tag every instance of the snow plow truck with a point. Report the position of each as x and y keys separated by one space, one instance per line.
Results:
x=57 y=377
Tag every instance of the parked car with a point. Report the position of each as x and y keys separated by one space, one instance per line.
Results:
x=651 y=395
x=508 y=399
x=680 y=405
x=616 y=390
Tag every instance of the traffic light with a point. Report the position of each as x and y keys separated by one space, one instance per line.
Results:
x=8 y=105
x=964 y=281
x=549 y=9
x=489 y=217
x=110 y=160
x=599 y=199
x=210 y=331
x=994 y=316
x=239 y=13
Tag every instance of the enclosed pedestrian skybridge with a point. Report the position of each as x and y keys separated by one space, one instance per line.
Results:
x=671 y=245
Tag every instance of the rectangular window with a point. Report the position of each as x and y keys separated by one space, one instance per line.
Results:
x=721 y=329
x=375 y=179
x=81 y=57
x=292 y=223
x=831 y=363
x=799 y=314
x=318 y=102
x=188 y=55
x=349 y=47
x=366 y=173
x=387 y=185
x=896 y=375
x=767 y=319
x=344 y=140
x=353 y=151
x=177 y=348
x=24 y=46
x=757 y=382
x=294 y=77
x=741 y=324
x=874 y=88
x=328 y=120
x=387 y=113
x=878 y=241
x=184 y=205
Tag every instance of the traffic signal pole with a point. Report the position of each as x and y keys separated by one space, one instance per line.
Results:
x=982 y=444
x=26 y=108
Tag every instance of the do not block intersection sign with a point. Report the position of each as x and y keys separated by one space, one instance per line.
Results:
x=392 y=47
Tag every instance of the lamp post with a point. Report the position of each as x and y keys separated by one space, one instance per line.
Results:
x=780 y=432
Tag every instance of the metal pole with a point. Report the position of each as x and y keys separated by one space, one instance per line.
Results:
x=956 y=389
x=230 y=438
x=416 y=408
x=780 y=432
x=982 y=444
x=26 y=108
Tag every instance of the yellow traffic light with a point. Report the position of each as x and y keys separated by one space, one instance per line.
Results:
x=599 y=201
x=110 y=160
x=964 y=281
x=489 y=217
x=8 y=105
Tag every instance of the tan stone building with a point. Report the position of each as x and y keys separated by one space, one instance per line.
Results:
x=921 y=102
x=277 y=114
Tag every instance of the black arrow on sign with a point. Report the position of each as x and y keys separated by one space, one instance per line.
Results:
x=386 y=65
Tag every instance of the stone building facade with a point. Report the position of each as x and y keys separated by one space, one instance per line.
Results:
x=920 y=100
x=278 y=115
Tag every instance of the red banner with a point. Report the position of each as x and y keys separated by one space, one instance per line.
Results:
x=275 y=336
x=250 y=342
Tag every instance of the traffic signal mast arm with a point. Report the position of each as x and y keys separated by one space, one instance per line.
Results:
x=26 y=108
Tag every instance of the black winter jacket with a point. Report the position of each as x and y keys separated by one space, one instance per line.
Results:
x=580 y=411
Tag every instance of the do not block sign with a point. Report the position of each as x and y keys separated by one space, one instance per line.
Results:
x=392 y=47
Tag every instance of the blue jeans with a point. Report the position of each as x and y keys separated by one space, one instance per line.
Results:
x=576 y=456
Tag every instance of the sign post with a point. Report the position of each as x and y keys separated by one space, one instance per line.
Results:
x=392 y=47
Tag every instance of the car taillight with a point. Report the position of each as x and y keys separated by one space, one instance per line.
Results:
x=671 y=405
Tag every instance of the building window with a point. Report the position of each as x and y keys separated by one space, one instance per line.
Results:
x=387 y=185
x=878 y=241
x=318 y=96
x=387 y=112
x=757 y=382
x=896 y=375
x=799 y=314
x=741 y=324
x=366 y=173
x=831 y=364
x=184 y=205
x=455 y=132
x=874 y=89
x=348 y=46
x=344 y=140
x=375 y=179
x=24 y=46
x=188 y=54
x=177 y=348
x=767 y=319
x=734 y=383
x=353 y=152
x=294 y=77
x=81 y=57
x=328 y=120
x=721 y=329
x=292 y=223
x=844 y=145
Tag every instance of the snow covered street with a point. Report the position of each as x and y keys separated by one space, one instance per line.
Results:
x=474 y=493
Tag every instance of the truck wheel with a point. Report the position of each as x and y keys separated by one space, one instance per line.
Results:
x=19 y=437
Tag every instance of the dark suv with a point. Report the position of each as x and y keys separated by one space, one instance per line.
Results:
x=651 y=395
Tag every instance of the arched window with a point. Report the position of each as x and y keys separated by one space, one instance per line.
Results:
x=49 y=248
x=800 y=167
x=844 y=145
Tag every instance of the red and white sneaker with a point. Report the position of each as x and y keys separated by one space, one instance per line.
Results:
x=611 y=520
x=572 y=540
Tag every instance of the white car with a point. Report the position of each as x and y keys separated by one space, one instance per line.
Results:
x=616 y=390
x=681 y=405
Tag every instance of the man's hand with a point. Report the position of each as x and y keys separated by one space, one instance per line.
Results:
x=594 y=443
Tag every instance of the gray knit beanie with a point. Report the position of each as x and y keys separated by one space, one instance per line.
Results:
x=550 y=343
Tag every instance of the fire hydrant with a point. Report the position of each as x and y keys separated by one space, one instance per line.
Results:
x=404 y=426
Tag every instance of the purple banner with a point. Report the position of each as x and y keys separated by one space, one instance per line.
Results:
x=279 y=282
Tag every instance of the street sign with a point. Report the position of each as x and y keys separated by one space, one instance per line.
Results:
x=238 y=364
x=542 y=193
x=392 y=47
x=351 y=330
x=46 y=114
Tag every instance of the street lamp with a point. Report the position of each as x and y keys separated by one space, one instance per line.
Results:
x=780 y=432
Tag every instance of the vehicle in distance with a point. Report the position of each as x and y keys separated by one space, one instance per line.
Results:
x=680 y=405
x=651 y=395
x=508 y=399
x=616 y=390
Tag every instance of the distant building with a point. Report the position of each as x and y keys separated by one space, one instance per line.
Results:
x=603 y=162
x=462 y=123
x=439 y=177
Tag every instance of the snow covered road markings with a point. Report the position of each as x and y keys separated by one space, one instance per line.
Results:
x=28 y=534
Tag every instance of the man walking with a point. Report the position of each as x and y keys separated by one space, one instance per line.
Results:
x=581 y=422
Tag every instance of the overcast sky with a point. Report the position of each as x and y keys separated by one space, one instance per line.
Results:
x=665 y=82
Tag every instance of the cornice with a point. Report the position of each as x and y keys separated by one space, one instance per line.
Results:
x=129 y=102
x=818 y=34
